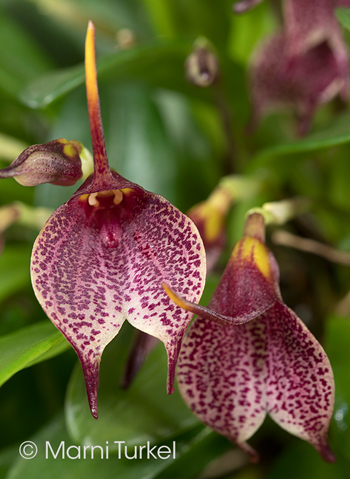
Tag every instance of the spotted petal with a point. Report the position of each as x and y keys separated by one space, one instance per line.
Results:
x=231 y=376
x=221 y=375
x=88 y=284
x=300 y=384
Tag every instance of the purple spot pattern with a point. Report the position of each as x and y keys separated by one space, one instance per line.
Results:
x=232 y=376
x=88 y=289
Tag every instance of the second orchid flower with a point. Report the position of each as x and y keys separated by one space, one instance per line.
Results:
x=248 y=354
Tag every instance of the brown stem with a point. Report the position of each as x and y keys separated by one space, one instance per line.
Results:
x=229 y=166
x=284 y=238
x=97 y=137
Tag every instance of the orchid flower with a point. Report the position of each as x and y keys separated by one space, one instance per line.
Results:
x=231 y=375
x=309 y=24
x=211 y=214
x=243 y=6
x=302 y=84
x=102 y=256
x=202 y=65
x=303 y=65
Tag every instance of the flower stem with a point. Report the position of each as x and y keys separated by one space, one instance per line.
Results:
x=97 y=137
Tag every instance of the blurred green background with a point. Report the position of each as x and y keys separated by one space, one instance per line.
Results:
x=177 y=140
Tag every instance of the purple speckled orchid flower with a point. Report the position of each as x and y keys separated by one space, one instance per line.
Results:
x=232 y=375
x=309 y=24
x=101 y=257
x=304 y=65
x=303 y=84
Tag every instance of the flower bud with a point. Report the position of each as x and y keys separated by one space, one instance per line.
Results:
x=202 y=67
x=210 y=217
x=57 y=162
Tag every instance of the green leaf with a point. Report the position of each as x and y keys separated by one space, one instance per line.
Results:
x=144 y=412
x=303 y=462
x=343 y=15
x=47 y=88
x=159 y=64
x=338 y=179
x=7 y=457
x=20 y=58
x=335 y=134
x=161 y=15
x=180 y=18
x=151 y=138
x=248 y=30
x=203 y=448
x=139 y=146
x=108 y=15
x=193 y=452
x=14 y=265
x=338 y=349
x=29 y=346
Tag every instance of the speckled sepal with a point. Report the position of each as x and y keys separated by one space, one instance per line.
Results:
x=299 y=383
x=91 y=368
x=232 y=376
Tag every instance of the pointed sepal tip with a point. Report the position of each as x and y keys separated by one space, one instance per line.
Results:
x=102 y=169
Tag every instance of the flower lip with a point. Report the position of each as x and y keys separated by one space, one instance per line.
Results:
x=103 y=198
x=110 y=212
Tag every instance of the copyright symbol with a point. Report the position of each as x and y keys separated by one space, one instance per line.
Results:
x=28 y=450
